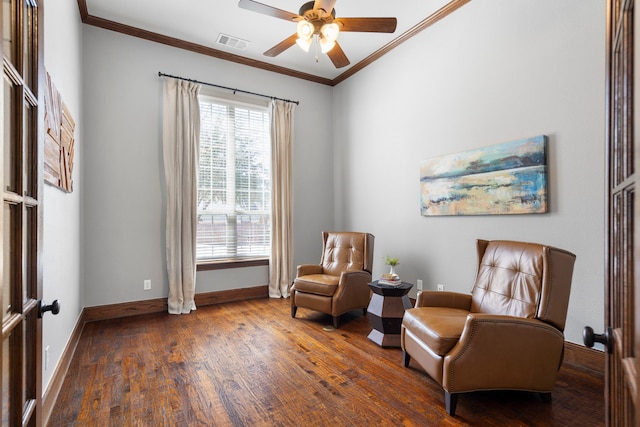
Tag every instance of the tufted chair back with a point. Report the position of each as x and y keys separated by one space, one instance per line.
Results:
x=524 y=280
x=346 y=251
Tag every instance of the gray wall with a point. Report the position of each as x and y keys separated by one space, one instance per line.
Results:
x=62 y=222
x=492 y=72
x=124 y=197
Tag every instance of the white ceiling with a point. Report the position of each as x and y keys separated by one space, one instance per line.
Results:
x=201 y=22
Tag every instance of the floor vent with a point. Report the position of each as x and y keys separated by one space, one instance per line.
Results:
x=232 y=42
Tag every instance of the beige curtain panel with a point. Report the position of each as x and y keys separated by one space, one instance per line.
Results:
x=180 y=142
x=281 y=260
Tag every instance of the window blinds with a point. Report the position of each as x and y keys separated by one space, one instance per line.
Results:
x=234 y=188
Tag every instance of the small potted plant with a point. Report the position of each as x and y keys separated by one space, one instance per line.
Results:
x=391 y=262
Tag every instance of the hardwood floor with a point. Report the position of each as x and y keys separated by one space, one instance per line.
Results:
x=249 y=363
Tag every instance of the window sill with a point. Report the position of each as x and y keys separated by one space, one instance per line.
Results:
x=230 y=263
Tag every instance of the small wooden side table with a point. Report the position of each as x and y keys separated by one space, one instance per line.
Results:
x=385 y=312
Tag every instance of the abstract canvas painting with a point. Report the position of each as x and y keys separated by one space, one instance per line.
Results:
x=508 y=178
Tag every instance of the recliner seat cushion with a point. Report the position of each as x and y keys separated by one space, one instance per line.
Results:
x=439 y=328
x=319 y=284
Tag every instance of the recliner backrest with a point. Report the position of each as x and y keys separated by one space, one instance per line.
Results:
x=346 y=251
x=509 y=279
x=523 y=279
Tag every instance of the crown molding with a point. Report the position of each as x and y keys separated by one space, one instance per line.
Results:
x=106 y=24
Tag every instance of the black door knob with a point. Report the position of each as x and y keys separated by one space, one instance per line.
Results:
x=54 y=308
x=589 y=338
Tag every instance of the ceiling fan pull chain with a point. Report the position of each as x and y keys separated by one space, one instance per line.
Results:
x=317 y=43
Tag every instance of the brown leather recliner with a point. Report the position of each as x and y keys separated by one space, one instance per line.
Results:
x=506 y=335
x=340 y=282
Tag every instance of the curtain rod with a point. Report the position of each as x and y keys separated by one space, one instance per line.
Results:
x=160 y=74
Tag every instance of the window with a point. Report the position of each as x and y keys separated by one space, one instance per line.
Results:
x=234 y=181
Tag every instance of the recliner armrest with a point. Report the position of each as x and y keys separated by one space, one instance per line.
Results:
x=498 y=351
x=443 y=299
x=349 y=279
x=306 y=269
x=355 y=276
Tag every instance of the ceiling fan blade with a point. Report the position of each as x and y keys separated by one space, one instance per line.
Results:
x=268 y=10
x=282 y=46
x=368 y=25
x=337 y=56
x=327 y=5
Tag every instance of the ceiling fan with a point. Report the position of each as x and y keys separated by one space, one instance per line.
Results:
x=317 y=21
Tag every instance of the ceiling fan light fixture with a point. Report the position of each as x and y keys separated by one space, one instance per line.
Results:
x=305 y=30
x=304 y=44
x=326 y=45
x=330 y=31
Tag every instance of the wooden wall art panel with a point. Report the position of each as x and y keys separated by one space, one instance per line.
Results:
x=59 y=139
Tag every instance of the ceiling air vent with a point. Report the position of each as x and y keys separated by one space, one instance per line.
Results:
x=233 y=42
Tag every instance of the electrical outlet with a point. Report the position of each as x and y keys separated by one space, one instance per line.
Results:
x=440 y=287
x=419 y=284
x=147 y=285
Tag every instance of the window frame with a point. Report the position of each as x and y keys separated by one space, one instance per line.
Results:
x=241 y=101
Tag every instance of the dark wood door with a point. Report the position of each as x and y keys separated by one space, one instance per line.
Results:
x=20 y=218
x=620 y=305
